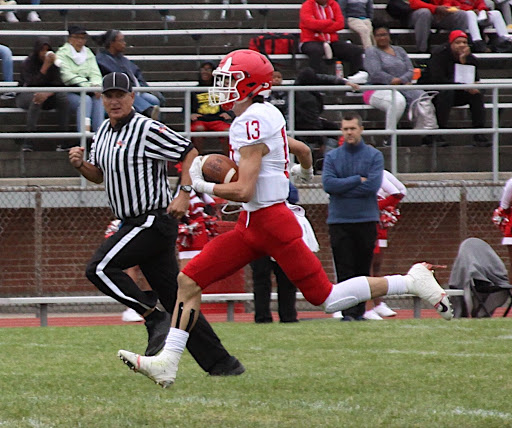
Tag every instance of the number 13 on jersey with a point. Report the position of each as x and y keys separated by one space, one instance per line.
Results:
x=253 y=129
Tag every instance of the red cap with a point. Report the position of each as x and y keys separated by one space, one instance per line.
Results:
x=456 y=34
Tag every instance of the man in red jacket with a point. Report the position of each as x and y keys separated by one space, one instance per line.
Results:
x=320 y=20
x=437 y=13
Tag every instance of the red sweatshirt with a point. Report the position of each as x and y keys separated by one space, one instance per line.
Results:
x=320 y=24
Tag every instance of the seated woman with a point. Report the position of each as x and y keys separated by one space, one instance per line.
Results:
x=79 y=68
x=388 y=64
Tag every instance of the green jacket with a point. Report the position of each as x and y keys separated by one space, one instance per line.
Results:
x=86 y=74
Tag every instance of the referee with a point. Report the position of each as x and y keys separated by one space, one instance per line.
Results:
x=129 y=154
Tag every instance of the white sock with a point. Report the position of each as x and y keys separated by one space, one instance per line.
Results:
x=176 y=340
x=347 y=293
x=397 y=284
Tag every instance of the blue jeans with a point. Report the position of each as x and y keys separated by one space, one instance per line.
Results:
x=6 y=56
x=93 y=109
x=144 y=100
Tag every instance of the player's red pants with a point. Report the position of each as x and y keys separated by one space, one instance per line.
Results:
x=272 y=231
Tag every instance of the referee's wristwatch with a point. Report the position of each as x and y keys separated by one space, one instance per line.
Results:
x=187 y=188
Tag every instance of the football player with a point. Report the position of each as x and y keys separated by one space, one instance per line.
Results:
x=502 y=216
x=391 y=192
x=261 y=148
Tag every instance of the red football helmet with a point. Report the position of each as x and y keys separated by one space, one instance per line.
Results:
x=240 y=75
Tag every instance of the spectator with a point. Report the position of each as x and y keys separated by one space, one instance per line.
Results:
x=320 y=20
x=390 y=194
x=504 y=8
x=262 y=285
x=359 y=15
x=39 y=69
x=502 y=216
x=205 y=117
x=223 y=14
x=309 y=106
x=478 y=14
x=388 y=64
x=441 y=69
x=33 y=16
x=111 y=58
x=9 y=16
x=426 y=15
x=80 y=69
x=352 y=176
x=7 y=70
x=277 y=98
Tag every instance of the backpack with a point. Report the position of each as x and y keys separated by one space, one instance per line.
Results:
x=274 y=43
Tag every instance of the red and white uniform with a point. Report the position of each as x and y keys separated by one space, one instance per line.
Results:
x=264 y=123
x=391 y=192
x=502 y=216
x=198 y=229
x=266 y=226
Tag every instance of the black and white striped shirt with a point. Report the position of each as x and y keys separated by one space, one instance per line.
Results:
x=133 y=158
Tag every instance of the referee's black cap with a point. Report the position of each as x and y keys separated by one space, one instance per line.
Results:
x=118 y=81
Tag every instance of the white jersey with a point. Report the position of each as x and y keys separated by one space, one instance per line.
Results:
x=263 y=123
x=506 y=197
x=390 y=186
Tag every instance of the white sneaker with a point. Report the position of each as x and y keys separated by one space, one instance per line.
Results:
x=33 y=17
x=129 y=315
x=11 y=17
x=337 y=314
x=384 y=310
x=421 y=282
x=161 y=369
x=372 y=315
x=360 y=78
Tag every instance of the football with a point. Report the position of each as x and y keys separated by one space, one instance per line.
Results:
x=219 y=169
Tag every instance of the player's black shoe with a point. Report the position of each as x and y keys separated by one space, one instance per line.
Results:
x=158 y=324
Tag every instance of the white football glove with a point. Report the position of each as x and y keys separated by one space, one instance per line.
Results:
x=196 y=174
x=302 y=174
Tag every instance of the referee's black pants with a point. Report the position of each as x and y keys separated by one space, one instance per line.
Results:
x=352 y=249
x=149 y=242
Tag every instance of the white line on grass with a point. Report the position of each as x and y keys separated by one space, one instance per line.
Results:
x=482 y=413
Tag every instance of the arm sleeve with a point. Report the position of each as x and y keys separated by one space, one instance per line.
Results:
x=332 y=183
x=374 y=180
x=369 y=9
x=164 y=144
x=506 y=198
x=310 y=22
x=402 y=54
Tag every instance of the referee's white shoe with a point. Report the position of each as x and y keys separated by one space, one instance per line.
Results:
x=161 y=369
x=421 y=282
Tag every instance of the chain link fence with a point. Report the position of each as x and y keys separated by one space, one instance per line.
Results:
x=47 y=234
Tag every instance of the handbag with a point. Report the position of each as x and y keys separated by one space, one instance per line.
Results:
x=422 y=112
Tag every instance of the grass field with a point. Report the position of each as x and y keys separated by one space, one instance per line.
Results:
x=321 y=373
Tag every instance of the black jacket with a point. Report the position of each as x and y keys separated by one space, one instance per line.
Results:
x=441 y=66
x=31 y=68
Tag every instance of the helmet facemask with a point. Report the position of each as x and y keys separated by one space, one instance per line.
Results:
x=224 y=88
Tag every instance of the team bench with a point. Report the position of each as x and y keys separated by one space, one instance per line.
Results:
x=230 y=298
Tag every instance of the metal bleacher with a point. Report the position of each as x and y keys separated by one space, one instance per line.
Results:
x=169 y=52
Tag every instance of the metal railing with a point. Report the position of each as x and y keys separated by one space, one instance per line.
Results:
x=493 y=130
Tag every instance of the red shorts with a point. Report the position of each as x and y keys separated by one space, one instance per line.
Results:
x=272 y=231
x=215 y=125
